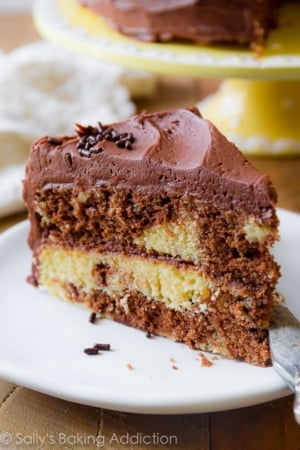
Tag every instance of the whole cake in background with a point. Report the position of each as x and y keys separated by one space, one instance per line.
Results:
x=160 y=223
x=206 y=21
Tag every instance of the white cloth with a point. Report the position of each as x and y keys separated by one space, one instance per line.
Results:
x=15 y=6
x=44 y=90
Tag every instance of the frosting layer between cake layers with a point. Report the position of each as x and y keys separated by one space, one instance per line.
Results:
x=170 y=235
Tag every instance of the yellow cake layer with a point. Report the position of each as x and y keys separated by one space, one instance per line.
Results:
x=173 y=239
x=182 y=239
x=257 y=233
x=156 y=280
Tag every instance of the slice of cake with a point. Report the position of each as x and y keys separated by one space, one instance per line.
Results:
x=206 y=21
x=160 y=223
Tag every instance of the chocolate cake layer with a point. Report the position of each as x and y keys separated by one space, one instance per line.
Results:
x=206 y=21
x=162 y=210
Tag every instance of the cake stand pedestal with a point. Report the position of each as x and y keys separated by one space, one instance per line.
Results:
x=257 y=107
x=260 y=116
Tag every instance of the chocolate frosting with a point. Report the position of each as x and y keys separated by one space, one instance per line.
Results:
x=199 y=21
x=174 y=152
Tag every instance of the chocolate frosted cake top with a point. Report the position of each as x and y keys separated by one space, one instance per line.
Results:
x=194 y=20
x=175 y=151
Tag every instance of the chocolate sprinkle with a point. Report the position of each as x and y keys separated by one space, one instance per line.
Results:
x=91 y=351
x=90 y=136
x=100 y=127
x=93 y=317
x=97 y=347
x=54 y=140
x=104 y=347
x=69 y=161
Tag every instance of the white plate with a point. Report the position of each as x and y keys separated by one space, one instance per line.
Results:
x=42 y=341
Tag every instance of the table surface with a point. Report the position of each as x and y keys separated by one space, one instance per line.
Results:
x=30 y=417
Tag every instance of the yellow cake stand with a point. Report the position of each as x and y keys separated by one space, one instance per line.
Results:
x=258 y=106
